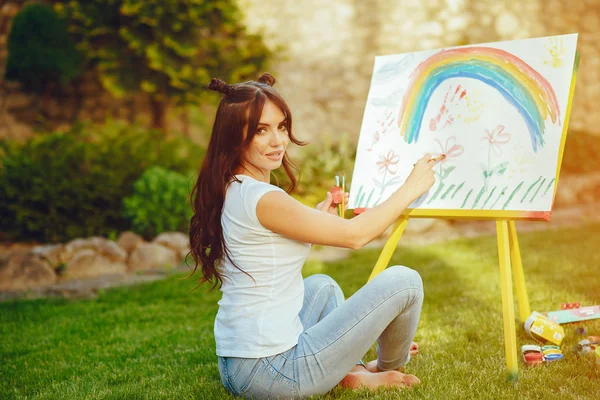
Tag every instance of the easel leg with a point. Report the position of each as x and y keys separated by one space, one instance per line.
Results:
x=519 y=276
x=390 y=246
x=508 y=311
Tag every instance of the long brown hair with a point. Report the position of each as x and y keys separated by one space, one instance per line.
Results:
x=241 y=106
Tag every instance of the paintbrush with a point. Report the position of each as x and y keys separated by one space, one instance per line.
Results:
x=436 y=159
x=339 y=206
x=343 y=194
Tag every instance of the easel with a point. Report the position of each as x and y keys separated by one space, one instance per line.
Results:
x=509 y=254
x=510 y=263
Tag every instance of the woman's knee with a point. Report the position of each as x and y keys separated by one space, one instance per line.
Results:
x=320 y=282
x=399 y=274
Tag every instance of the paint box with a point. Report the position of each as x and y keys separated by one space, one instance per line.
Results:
x=543 y=329
x=574 y=314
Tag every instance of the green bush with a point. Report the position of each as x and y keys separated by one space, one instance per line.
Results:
x=160 y=202
x=60 y=186
x=40 y=52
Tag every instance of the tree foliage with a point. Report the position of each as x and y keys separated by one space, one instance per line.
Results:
x=40 y=52
x=168 y=49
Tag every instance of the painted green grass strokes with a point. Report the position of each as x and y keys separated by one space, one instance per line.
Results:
x=489 y=196
x=360 y=189
x=466 y=198
x=447 y=191
x=538 y=190
x=549 y=186
x=369 y=198
x=481 y=192
x=501 y=194
x=457 y=189
x=512 y=195
x=530 y=187
x=437 y=192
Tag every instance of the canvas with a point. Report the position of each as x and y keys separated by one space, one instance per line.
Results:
x=498 y=112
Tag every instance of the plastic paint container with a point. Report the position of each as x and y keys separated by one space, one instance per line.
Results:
x=553 y=357
x=533 y=358
x=550 y=347
x=526 y=348
x=532 y=354
x=551 y=351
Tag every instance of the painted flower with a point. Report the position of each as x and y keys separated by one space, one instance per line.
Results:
x=388 y=162
x=450 y=149
x=497 y=138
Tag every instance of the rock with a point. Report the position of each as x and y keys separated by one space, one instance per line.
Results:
x=87 y=263
x=53 y=253
x=176 y=241
x=21 y=270
x=129 y=241
x=109 y=249
x=101 y=245
x=21 y=246
x=150 y=256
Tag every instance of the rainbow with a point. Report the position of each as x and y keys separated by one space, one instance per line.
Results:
x=523 y=87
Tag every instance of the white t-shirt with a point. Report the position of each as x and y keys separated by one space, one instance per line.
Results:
x=257 y=318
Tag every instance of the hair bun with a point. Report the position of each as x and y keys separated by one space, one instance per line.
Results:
x=218 y=85
x=267 y=79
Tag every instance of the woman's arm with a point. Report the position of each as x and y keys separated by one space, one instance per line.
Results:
x=281 y=213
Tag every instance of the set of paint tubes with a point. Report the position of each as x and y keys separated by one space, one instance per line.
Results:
x=534 y=354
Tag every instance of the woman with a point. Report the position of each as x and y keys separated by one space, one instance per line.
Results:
x=278 y=335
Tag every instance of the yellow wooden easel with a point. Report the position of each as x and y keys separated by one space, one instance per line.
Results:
x=510 y=260
x=509 y=255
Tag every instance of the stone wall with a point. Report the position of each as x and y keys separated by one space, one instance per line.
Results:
x=326 y=69
x=326 y=66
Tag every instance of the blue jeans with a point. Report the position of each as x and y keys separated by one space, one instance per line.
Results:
x=336 y=335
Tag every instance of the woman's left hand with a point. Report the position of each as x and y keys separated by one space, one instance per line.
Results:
x=327 y=205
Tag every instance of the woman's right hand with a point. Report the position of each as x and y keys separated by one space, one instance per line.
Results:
x=422 y=177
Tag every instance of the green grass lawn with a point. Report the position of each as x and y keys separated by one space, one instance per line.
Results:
x=156 y=340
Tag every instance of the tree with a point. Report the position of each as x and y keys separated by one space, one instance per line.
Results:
x=168 y=49
x=41 y=55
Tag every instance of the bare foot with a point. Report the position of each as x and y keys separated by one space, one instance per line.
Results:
x=361 y=378
x=372 y=365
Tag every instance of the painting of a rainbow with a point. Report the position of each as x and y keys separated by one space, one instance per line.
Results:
x=498 y=111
